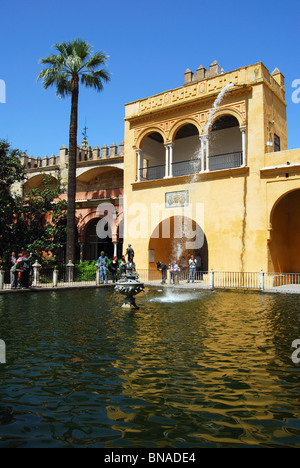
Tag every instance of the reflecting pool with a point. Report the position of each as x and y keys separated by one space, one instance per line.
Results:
x=188 y=369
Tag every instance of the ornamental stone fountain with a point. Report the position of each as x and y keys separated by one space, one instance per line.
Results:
x=128 y=284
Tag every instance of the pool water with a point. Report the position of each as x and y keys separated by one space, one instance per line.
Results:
x=188 y=369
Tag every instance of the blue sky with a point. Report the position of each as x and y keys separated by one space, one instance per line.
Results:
x=150 y=45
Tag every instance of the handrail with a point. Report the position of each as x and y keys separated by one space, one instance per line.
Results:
x=192 y=166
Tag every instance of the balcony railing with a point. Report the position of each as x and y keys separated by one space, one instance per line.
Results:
x=225 y=161
x=193 y=166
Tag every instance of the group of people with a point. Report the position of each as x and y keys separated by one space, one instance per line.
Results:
x=184 y=270
x=20 y=270
x=103 y=265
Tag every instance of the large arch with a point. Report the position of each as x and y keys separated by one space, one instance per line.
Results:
x=38 y=182
x=177 y=237
x=284 y=245
x=100 y=178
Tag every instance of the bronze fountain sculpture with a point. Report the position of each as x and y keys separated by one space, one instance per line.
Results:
x=128 y=284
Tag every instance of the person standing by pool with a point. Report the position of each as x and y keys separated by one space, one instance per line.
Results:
x=102 y=264
x=174 y=270
x=13 y=273
x=123 y=265
x=161 y=266
x=26 y=269
x=192 y=266
x=113 y=268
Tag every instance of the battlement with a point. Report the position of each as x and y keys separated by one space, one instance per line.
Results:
x=202 y=73
x=85 y=153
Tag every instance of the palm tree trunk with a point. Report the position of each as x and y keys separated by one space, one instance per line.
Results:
x=71 y=223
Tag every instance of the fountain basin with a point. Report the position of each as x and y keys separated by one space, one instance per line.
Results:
x=129 y=286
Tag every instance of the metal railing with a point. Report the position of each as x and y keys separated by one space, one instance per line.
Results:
x=241 y=280
x=193 y=166
x=263 y=281
x=225 y=161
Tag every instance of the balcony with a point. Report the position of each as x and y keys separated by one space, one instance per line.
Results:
x=193 y=166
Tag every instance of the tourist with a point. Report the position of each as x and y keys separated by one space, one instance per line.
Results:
x=20 y=269
x=174 y=270
x=102 y=264
x=13 y=273
x=113 y=268
x=26 y=265
x=192 y=268
x=123 y=265
x=163 y=268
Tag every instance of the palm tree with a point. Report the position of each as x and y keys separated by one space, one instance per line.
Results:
x=74 y=63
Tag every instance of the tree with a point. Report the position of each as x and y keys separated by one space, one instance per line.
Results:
x=11 y=171
x=73 y=64
x=40 y=221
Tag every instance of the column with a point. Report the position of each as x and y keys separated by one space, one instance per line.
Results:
x=171 y=159
x=81 y=245
x=139 y=164
x=204 y=146
x=202 y=152
x=243 y=130
x=115 y=249
x=207 y=152
x=166 y=161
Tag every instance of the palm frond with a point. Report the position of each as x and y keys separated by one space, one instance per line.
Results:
x=73 y=61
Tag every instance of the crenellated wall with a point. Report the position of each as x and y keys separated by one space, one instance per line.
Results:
x=84 y=153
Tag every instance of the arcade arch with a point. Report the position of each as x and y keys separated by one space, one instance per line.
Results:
x=187 y=152
x=100 y=178
x=38 y=182
x=225 y=143
x=158 y=159
x=284 y=250
x=92 y=244
x=177 y=237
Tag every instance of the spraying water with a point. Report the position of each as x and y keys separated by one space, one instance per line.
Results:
x=215 y=106
x=178 y=244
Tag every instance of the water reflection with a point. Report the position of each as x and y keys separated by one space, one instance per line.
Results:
x=213 y=370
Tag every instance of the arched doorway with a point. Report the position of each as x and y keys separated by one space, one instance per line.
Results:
x=284 y=246
x=93 y=245
x=177 y=237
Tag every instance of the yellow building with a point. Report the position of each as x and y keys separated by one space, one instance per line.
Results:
x=210 y=174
